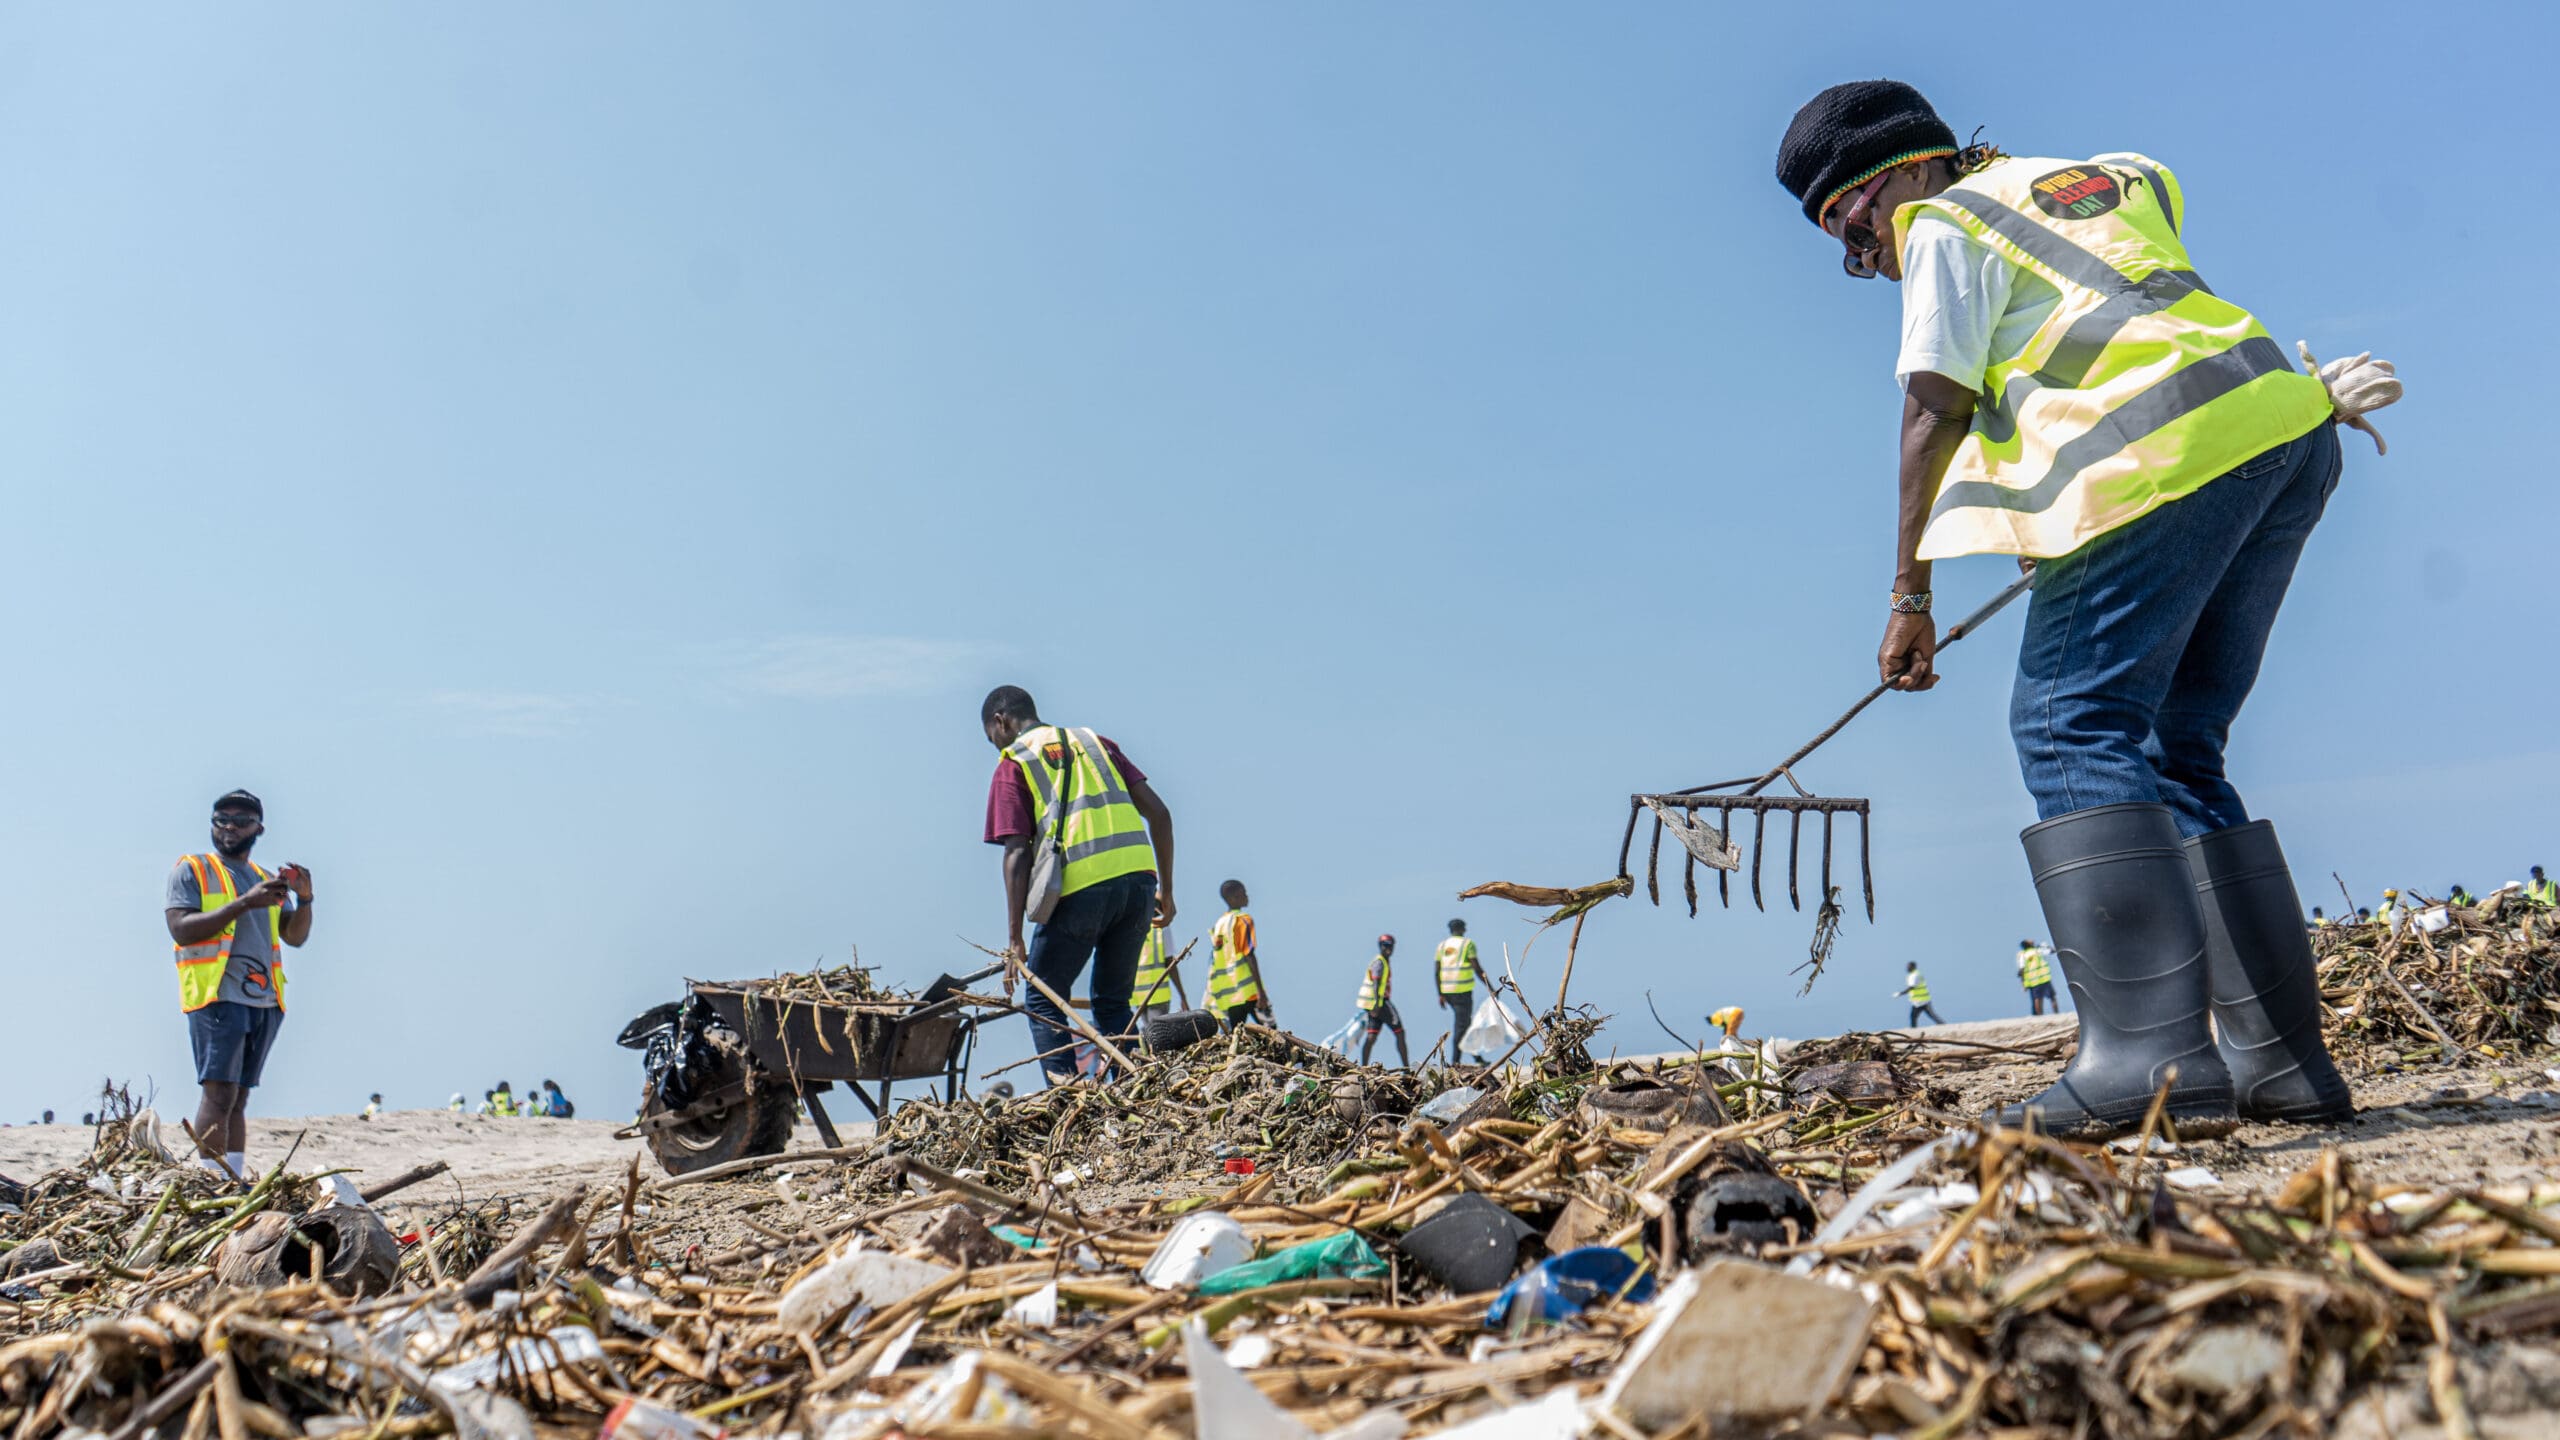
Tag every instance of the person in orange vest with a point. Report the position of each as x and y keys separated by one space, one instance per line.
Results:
x=231 y=919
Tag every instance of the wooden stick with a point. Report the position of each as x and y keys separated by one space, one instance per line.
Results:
x=765 y=1162
x=986 y=1194
x=403 y=1181
x=498 y=1269
x=1078 y=1023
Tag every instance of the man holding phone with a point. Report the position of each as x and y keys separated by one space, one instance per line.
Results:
x=231 y=919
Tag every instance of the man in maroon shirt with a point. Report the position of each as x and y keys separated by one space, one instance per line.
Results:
x=1105 y=922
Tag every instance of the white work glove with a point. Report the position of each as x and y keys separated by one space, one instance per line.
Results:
x=2356 y=388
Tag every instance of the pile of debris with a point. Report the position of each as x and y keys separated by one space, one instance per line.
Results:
x=2453 y=980
x=1655 y=1250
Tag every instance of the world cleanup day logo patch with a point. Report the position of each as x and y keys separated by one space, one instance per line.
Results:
x=2078 y=193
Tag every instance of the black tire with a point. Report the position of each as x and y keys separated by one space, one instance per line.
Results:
x=1182 y=1028
x=758 y=1124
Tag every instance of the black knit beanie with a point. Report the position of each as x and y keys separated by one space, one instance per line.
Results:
x=1849 y=134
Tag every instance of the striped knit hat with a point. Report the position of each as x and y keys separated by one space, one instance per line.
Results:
x=1850 y=134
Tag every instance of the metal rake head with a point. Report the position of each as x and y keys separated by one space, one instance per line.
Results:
x=1711 y=844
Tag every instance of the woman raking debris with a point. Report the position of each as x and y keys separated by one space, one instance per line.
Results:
x=2076 y=396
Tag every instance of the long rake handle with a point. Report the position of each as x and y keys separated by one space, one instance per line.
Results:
x=1955 y=632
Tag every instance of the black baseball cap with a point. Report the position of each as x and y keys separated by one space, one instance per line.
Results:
x=241 y=800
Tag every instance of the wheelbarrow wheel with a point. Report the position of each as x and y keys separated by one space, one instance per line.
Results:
x=758 y=1123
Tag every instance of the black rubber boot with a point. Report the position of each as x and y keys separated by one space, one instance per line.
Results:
x=2266 y=995
x=2129 y=937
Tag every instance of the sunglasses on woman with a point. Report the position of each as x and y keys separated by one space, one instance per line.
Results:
x=1853 y=228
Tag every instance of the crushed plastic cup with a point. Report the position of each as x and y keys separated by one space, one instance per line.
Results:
x=1202 y=1245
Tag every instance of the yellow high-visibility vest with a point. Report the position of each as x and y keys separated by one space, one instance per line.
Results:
x=502 y=1103
x=1152 y=988
x=1457 y=966
x=1919 y=989
x=1377 y=983
x=200 y=965
x=1105 y=836
x=2142 y=385
x=2545 y=893
x=1231 y=981
x=2034 y=968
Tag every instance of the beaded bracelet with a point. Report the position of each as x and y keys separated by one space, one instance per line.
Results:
x=1911 y=604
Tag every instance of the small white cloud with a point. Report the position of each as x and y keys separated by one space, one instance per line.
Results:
x=510 y=712
x=839 y=667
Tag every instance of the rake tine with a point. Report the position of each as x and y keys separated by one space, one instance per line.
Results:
x=1866 y=870
x=1724 y=878
x=1653 y=863
x=1826 y=855
x=1795 y=839
x=1759 y=828
x=1635 y=808
x=1689 y=879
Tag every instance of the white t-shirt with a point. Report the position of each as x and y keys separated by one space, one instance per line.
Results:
x=1962 y=303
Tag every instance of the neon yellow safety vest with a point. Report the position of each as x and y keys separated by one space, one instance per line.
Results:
x=1105 y=837
x=200 y=965
x=1152 y=988
x=1377 y=983
x=2140 y=387
x=2545 y=893
x=1231 y=981
x=1919 y=989
x=503 y=1104
x=2033 y=968
x=1457 y=966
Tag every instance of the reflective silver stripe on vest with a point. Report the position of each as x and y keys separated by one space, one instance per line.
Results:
x=1027 y=754
x=1087 y=849
x=2087 y=339
x=2079 y=266
x=2190 y=389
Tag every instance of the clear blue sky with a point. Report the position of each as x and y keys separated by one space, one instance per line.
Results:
x=583 y=464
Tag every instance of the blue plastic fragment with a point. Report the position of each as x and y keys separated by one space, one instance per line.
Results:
x=1562 y=1287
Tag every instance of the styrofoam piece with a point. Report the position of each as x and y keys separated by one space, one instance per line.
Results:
x=1740 y=1340
x=859 y=1276
x=1200 y=1246
x=1037 y=1310
x=1243 y=1412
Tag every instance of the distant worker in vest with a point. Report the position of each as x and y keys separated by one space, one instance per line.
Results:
x=2075 y=396
x=372 y=1107
x=1377 y=1003
x=2460 y=896
x=1158 y=984
x=1916 y=986
x=455 y=1105
x=1457 y=969
x=2035 y=976
x=2388 y=915
x=502 y=1101
x=1237 y=992
x=2541 y=893
x=2318 y=920
x=1113 y=839
x=2363 y=916
x=231 y=918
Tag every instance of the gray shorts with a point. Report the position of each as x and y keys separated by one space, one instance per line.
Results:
x=231 y=1041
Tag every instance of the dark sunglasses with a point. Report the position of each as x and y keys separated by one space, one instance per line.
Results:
x=1853 y=229
x=237 y=822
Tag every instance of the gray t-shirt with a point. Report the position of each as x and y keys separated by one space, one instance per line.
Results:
x=253 y=951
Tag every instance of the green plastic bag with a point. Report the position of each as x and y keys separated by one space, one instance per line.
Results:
x=1344 y=1257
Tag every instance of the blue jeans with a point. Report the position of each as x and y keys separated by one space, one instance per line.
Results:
x=1106 y=924
x=2141 y=645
